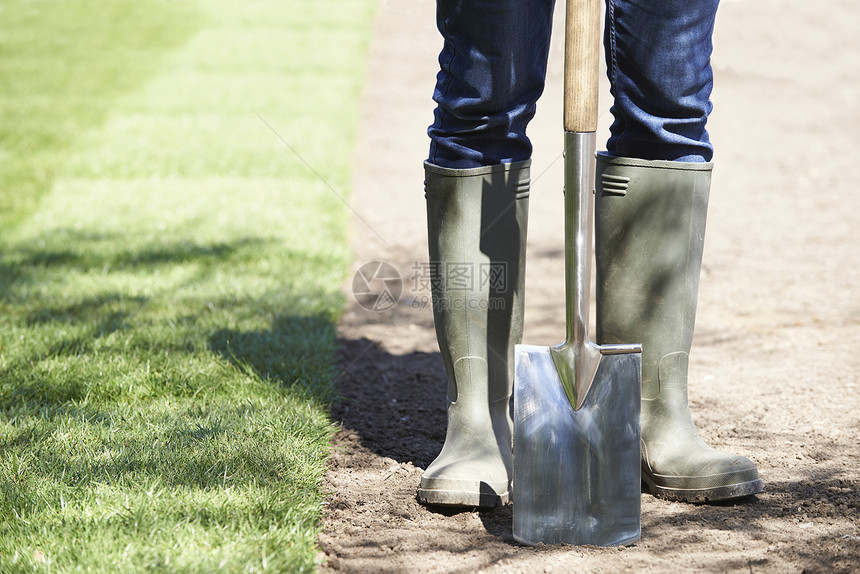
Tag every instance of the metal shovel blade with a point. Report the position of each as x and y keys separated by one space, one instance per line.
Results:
x=576 y=475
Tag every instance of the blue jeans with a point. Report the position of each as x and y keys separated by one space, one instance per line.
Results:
x=493 y=67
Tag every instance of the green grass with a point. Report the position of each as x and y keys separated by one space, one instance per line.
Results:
x=170 y=278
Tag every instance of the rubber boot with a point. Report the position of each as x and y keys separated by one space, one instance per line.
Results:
x=476 y=220
x=649 y=236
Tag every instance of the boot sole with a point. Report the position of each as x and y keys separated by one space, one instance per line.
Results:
x=703 y=495
x=485 y=497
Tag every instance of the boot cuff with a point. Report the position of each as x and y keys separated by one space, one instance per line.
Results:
x=606 y=159
x=499 y=167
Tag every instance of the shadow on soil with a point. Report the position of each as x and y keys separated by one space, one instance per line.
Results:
x=396 y=404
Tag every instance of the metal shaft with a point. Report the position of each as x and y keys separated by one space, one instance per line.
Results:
x=579 y=150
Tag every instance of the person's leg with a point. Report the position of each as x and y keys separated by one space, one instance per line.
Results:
x=658 y=57
x=651 y=206
x=492 y=70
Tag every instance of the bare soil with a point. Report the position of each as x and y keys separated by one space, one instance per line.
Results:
x=774 y=369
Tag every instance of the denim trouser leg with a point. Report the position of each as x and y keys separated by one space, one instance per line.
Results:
x=492 y=71
x=493 y=66
x=658 y=56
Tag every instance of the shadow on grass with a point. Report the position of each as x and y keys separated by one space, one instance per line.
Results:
x=27 y=264
x=72 y=322
x=297 y=352
x=108 y=311
x=55 y=385
x=186 y=450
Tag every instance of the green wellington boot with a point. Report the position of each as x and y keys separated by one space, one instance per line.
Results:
x=649 y=236
x=476 y=221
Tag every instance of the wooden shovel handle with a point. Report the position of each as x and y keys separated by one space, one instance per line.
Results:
x=581 y=65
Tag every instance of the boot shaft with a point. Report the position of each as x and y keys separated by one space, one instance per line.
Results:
x=476 y=221
x=477 y=225
x=649 y=237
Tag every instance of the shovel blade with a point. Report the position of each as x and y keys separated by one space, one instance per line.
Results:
x=576 y=474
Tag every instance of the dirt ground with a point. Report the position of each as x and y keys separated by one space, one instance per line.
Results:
x=774 y=367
